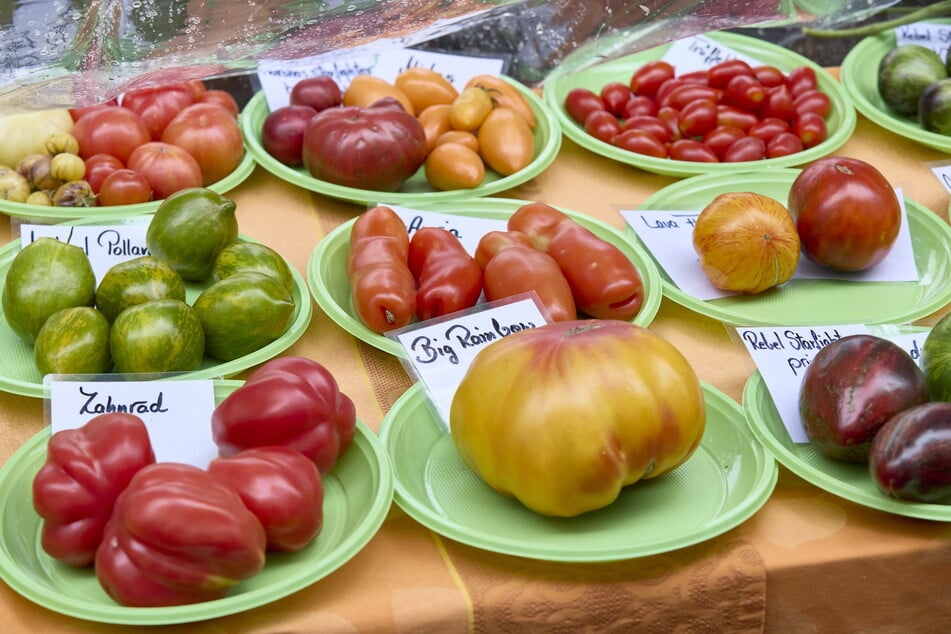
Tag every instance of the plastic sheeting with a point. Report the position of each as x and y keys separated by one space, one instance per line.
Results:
x=61 y=53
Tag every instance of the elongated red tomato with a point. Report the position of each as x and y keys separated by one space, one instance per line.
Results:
x=448 y=278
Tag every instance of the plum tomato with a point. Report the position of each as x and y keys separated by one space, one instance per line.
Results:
x=721 y=137
x=671 y=117
x=691 y=150
x=749 y=148
x=642 y=142
x=615 y=95
x=744 y=91
x=812 y=101
x=112 y=130
x=768 y=128
x=98 y=166
x=282 y=133
x=778 y=104
x=318 y=92
x=580 y=102
x=683 y=94
x=783 y=144
x=720 y=74
x=801 y=79
x=735 y=117
x=648 y=78
x=695 y=77
x=639 y=105
x=647 y=123
x=124 y=187
x=811 y=129
x=602 y=125
x=769 y=76
x=698 y=117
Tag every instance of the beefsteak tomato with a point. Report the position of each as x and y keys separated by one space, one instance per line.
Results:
x=210 y=133
x=168 y=168
x=157 y=105
x=110 y=130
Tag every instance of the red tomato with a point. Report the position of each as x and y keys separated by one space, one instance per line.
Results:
x=666 y=88
x=778 y=104
x=768 y=128
x=639 y=105
x=77 y=112
x=641 y=142
x=783 y=144
x=98 y=166
x=318 y=92
x=698 y=117
x=655 y=126
x=124 y=187
x=648 y=78
x=158 y=105
x=811 y=129
x=615 y=96
x=812 y=101
x=691 y=150
x=748 y=148
x=580 y=102
x=695 y=77
x=670 y=116
x=847 y=213
x=211 y=135
x=744 y=91
x=720 y=74
x=735 y=117
x=222 y=98
x=168 y=168
x=801 y=79
x=114 y=130
x=282 y=134
x=721 y=137
x=769 y=76
x=197 y=86
x=687 y=92
x=602 y=125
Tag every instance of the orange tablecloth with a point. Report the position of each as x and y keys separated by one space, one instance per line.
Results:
x=806 y=562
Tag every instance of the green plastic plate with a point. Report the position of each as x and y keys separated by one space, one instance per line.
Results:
x=840 y=122
x=60 y=214
x=416 y=188
x=18 y=372
x=327 y=266
x=846 y=480
x=727 y=479
x=357 y=496
x=859 y=74
x=817 y=302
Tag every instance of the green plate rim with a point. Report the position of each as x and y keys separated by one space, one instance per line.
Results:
x=585 y=552
x=871 y=50
x=221 y=370
x=490 y=207
x=257 y=106
x=364 y=440
x=737 y=182
x=554 y=93
x=756 y=396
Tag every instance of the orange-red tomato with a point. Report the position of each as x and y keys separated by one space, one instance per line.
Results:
x=211 y=134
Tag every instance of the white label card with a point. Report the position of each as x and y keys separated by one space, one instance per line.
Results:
x=176 y=413
x=931 y=35
x=278 y=77
x=782 y=355
x=943 y=174
x=669 y=237
x=106 y=245
x=441 y=350
x=698 y=53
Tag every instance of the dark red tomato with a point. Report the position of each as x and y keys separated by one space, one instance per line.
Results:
x=602 y=125
x=698 y=117
x=801 y=79
x=580 y=102
x=158 y=105
x=648 y=78
x=641 y=142
x=721 y=137
x=124 y=187
x=769 y=76
x=691 y=150
x=77 y=112
x=695 y=77
x=685 y=93
x=221 y=98
x=720 y=74
x=114 y=130
x=768 y=128
x=654 y=125
x=812 y=101
x=811 y=129
x=318 y=92
x=746 y=149
x=98 y=166
x=778 y=104
x=783 y=144
x=282 y=134
x=744 y=91
x=639 y=105
x=671 y=117
x=615 y=96
x=735 y=117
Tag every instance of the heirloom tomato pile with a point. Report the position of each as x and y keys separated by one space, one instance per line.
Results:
x=375 y=135
x=729 y=112
x=154 y=142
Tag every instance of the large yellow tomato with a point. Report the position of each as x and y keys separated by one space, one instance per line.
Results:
x=563 y=416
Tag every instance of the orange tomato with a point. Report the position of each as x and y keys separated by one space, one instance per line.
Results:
x=453 y=166
x=506 y=143
x=470 y=109
x=504 y=95
x=435 y=122
x=425 y=87
x=364 y=90
x=461 y=137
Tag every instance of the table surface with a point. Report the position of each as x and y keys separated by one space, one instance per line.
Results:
x=806 y=561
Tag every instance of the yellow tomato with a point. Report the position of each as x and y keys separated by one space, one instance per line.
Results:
x=506 y=143
x=504 y=95
x=470 y=109
x=453 y=166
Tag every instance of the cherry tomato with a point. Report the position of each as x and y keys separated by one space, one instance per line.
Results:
x=650 y=124
x=664 y=90
x=168 y=168
x=778 y=104
x=698 y=117
x=124 y=187
x=318 y=92
x=744 y=91
x=801 y=79
x=769 y=76
x=811 y=129
x=783 y=144
x=602 y=125
x=221 y=98
x=687 y=92
x=695 y=77
x=812 y=101
x=615 y=96
x=768 y=128
x=691 y=150
x=670 y=116
x=98 y=166
x=720 y=74
x=748 y=148
x=638 y=105
x=721 y=137
x=114 y=130
x=282 y=134
x=580 y=102
x=642 y=142
x=735 y=117
x=648 y=78
x=211 y=135
x=158 y=105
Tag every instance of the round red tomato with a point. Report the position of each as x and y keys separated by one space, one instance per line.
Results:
x=111 y=130
x=79 y=111
x=847 y=213
x=282 y=134
x=168 y=168
x=320 y=92
x=158 y=105
x=221 y=98
x=124 y=187
x=211 y=135
x=98 y=166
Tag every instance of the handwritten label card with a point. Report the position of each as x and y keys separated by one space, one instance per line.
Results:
x=942 y=171
x=699 y=52
x=106 y=245
x=469 y=229
x=440 y=351
x=669 y=237
x=176 y=413
x=782 y=355
x=931 y=35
